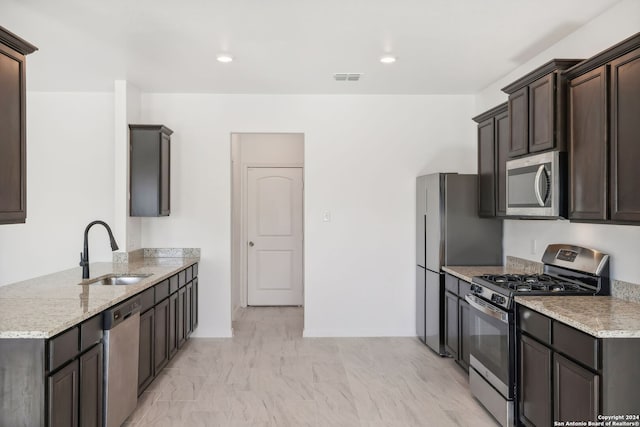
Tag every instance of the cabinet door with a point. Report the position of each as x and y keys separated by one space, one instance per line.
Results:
x=519 y=122
x=194 y=307
x=188 y=322
x=535 y=383
x=502 y=155
x=63 y=397
x=165 y=171
x=486 y=169
x=576 y=391
x=542 y=126
x=12 y=137
x=588 y=146
x=625 y=146
x=161 y=335
x=180 y=316
x=463 y=346
x=173 y=325
x=451 y=324
x=145 y=358
x=91 y=387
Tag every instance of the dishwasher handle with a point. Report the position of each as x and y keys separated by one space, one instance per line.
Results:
x=117 y=314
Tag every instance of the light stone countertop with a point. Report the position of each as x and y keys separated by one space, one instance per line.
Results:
x=467 y=272
x=599 y=316
x=47 y=305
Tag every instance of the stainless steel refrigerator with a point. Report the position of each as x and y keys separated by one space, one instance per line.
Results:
x=449 y=232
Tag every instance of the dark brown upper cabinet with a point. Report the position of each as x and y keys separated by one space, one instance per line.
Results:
x=625 y=137
x=604 y=127
x=588 y=146
x=150 y=170
x=13 y=154
x=493 y=148
x=537 y=109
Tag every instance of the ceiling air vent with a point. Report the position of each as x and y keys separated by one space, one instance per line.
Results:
x=348 y=77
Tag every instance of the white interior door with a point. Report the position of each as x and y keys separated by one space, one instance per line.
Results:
x=274 y=231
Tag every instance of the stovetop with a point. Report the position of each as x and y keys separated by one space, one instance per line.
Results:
x=568 y=270
x=528 y=283
x=500 y=289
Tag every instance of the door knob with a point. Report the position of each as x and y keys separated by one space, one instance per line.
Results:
x=250 y=244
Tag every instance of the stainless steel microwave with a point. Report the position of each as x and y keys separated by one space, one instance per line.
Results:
x=536 y=185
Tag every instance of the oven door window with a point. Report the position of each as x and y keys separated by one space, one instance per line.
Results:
x=490 y=344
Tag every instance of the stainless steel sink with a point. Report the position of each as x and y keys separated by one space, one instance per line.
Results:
x=116 y=279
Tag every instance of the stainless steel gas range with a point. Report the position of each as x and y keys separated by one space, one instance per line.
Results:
x=568 y=270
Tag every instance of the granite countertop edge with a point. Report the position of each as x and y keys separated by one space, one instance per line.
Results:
x=466 y=273
x=61 y=322
x=607 y=314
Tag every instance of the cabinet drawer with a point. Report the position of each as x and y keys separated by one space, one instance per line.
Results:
x=90 y=332
x=162 y=290
x=146 y=300
x=182 y=278
x=189 y=271
x=173 y=283
x=62 y=348
x=575 y=344
x=464 y=288
x=535 y=324
x=451 y=283
x=195 y=270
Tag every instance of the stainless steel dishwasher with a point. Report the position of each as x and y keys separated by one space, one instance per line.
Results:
x=121 y=326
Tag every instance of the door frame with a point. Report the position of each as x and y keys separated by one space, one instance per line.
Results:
x=244 y=187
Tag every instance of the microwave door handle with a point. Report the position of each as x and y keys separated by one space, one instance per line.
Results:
x=536 y=184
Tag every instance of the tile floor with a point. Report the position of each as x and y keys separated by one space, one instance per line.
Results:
x=268 y=375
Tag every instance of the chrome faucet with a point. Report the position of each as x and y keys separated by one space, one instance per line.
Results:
x=84 y=256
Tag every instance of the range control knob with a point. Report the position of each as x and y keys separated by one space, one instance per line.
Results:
x=498 y=299
x=476 y=289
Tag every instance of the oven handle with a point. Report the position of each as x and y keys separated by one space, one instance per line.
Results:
x=487 y=309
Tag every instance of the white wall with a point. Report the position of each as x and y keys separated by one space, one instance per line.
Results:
x=127 y=229
x=362 y=154
x=613 y=26
x=69 y=183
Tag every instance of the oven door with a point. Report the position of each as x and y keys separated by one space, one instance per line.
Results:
x=491 y=344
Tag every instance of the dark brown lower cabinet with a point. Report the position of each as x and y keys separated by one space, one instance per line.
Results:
x=91 y=376
x=451 y=319
x=576 y=391
x=188 y=321
x=463 y=319
x=180 y=324
x=145 y=358
x=161 y=335
x=63 y=396
x=535 y=383
x=568 y=375
x=173 y=323
x=194 y=308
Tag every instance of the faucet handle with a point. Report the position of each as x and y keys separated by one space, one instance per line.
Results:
x=82 y=263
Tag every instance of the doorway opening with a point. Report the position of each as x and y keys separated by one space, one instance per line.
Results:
x=267 y=220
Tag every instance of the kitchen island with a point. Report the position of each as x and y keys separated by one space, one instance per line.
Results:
x=52 y=360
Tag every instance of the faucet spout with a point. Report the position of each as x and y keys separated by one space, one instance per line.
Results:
x=84 y=256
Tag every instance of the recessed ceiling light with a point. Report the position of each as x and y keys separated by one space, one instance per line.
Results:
x=224 y=57
x=388 y=59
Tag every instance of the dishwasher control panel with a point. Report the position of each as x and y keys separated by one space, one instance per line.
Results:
x=116 y=314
